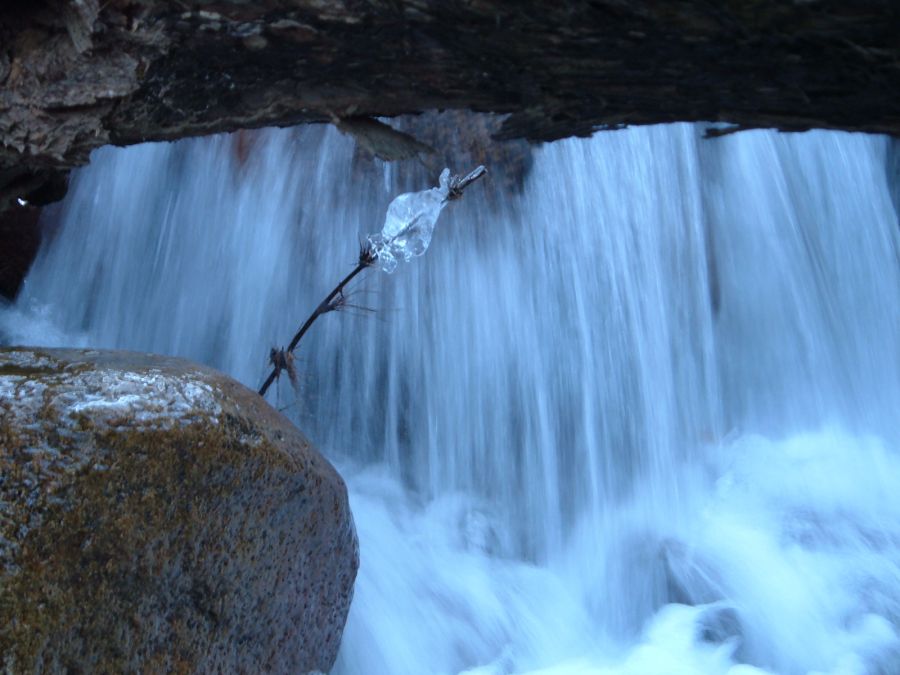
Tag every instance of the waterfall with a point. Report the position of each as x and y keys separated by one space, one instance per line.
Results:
x=639 y=418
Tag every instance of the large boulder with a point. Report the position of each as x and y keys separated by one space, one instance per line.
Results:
x=157 y=516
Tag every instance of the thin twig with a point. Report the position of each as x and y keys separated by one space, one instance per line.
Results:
x=367 y=258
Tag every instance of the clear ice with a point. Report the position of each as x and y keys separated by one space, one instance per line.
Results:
x=409 y=224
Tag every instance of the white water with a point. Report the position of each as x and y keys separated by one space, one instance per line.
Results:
x=561 y=457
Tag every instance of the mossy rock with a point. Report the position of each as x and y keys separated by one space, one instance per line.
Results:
x=157 y=516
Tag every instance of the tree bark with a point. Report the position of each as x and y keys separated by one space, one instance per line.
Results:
x=78 y=74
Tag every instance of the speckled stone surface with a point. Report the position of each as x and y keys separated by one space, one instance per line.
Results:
x=157 y=516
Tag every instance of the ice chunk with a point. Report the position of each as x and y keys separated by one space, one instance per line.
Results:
x=409 y=224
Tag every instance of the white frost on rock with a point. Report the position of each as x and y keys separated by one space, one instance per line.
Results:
x=45 y=402
x=409 y=224
x=108 y=395
x=94 y=402
x=8 y=385
x=30 y=360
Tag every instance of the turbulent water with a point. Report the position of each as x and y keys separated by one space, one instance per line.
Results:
x=641 y=418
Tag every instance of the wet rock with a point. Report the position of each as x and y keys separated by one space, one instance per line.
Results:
x=690 y=579
x=466 y=139
x=719 y=624
x=156 y=516
x=20 y=238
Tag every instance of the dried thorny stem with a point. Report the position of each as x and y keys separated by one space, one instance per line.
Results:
x=282 y=360
x=457 y=184
x=342 y=304
x=367 y=258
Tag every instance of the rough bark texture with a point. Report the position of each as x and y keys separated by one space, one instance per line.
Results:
x=157 y=516
x=77 y=74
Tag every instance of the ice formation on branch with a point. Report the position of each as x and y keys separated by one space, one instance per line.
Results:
x=409 y=225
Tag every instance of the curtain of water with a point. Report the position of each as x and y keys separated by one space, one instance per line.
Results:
x=639 y=418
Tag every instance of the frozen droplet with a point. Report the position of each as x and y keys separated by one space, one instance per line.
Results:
x=409 y=224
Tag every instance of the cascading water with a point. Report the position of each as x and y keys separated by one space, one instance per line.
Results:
x=639 y=419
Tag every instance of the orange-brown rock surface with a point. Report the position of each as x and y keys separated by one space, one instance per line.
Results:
x=157 y=516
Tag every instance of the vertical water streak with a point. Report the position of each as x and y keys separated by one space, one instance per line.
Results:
x=650 y=378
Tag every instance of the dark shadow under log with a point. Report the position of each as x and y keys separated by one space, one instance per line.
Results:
x=78 y=75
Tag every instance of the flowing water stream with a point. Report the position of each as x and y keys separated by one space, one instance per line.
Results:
x=642 y=418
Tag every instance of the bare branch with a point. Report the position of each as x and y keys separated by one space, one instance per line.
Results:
x=281 y=359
